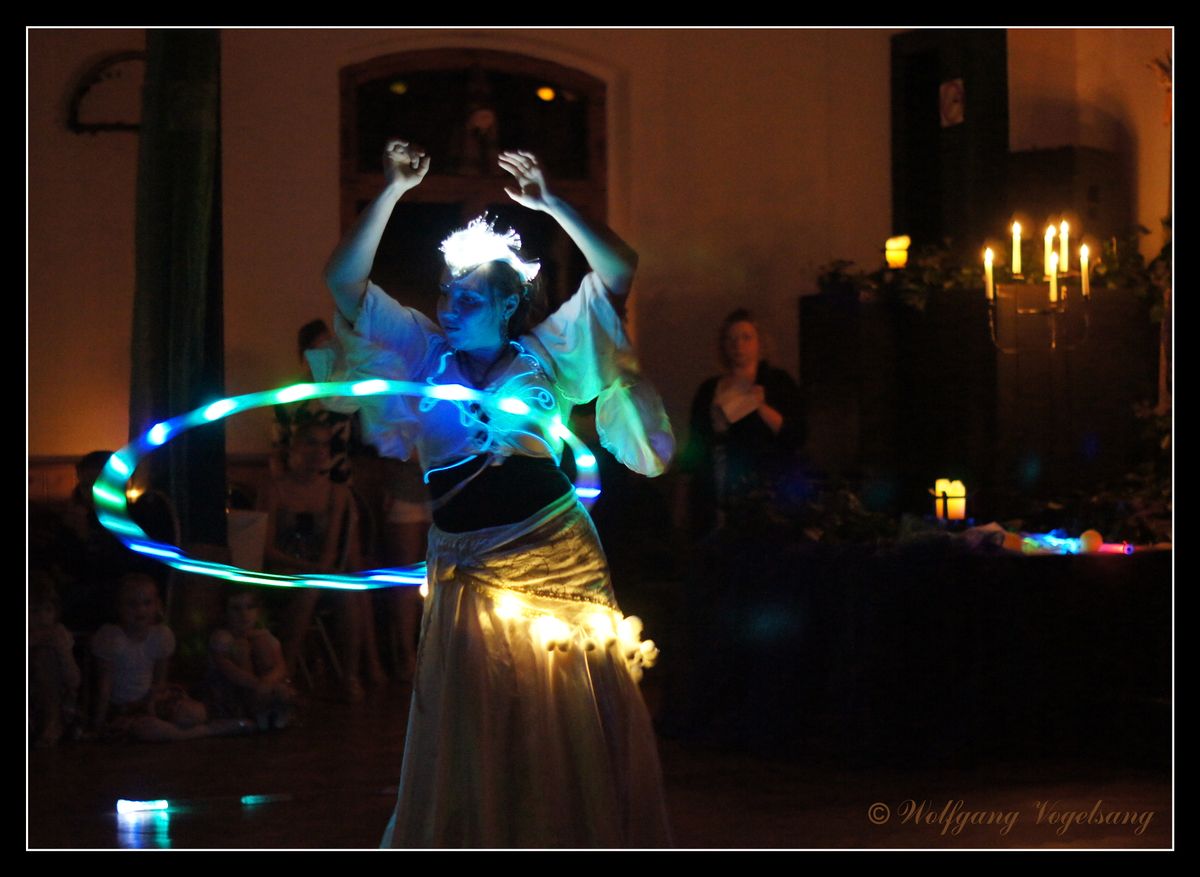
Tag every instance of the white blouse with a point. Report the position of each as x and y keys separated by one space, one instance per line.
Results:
x=579 y=353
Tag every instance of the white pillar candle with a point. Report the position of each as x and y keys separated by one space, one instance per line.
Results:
x=1047 y=250
x=941 y=492
x=1054 y=278
x=956 y=507
x=1016 y=256
x=1063 y=261
x=987 y=274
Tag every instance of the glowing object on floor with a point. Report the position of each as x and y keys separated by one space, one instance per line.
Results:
x=109 y=491
x=254 y=800
x=125 y=805
x=1056 y=542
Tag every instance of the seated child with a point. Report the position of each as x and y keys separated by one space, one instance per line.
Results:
x=133 y=696
x=53 y=674
x=247 y=678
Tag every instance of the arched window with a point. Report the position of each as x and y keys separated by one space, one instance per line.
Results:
x=464 y=106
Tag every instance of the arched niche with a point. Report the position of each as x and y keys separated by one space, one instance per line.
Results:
x=463 y=106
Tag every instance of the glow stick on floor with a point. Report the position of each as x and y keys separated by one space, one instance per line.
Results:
x=126 y=805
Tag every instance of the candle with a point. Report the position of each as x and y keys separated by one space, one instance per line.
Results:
x=1048 y=249
x=1063 y=261
x=957 y=504
x=1016 y=256
x=1054 y=278
x=987 y=273
x=1084 y=281
x=941 y=488
x=895 y=250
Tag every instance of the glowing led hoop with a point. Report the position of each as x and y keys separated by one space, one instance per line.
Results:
x=112 y=506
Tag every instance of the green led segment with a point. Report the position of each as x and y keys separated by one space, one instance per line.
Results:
x=119 y=466
x=295 y=392
x=451 y=392
x=103 y=495
x=217 y=410
x=369 y=388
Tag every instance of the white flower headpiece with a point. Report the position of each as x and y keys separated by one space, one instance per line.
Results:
x=478 y=243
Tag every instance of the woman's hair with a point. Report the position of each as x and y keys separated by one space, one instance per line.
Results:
x=505 y=281
x=738 y=315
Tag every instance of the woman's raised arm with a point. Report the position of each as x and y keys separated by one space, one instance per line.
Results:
x=609 y=256
x=349 y=267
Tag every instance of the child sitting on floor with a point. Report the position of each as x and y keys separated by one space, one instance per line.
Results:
x=133 y=696
x=53 y=673
x=247 y=678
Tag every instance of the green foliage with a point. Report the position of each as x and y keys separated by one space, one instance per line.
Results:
x=928 y=269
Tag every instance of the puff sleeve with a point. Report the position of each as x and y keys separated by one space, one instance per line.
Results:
x=584 y=345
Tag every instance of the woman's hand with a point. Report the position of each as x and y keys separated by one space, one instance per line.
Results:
x=349 y=266
x=531 y=189
x=611 y=258
x=404 y=165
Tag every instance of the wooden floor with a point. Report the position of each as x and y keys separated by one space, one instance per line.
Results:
x=334 y=779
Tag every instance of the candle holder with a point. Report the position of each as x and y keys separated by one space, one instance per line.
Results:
x=1068 y=320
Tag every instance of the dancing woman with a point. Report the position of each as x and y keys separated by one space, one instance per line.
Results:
x=526 y=728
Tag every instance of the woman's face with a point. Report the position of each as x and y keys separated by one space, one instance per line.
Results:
x=472 y=314
x=740 y=345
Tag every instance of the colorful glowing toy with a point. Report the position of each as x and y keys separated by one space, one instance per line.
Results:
x=112 y=508
x=126 y=805
x=1057 y=542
